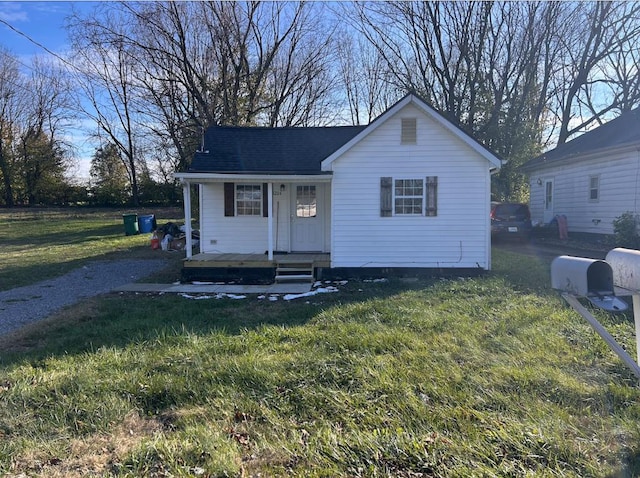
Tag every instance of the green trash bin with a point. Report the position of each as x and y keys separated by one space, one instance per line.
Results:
x=130 y=224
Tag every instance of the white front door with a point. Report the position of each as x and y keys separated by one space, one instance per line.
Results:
x=307 y=218
x=548 y=201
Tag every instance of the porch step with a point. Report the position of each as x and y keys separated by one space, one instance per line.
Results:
x=294 y=278
x=290 y=271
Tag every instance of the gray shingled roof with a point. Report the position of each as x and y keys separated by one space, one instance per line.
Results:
x=269 y=150
x=621 y=131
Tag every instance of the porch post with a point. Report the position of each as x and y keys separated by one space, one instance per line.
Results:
x=200 y=208
x=186 y=193
x=270 y=219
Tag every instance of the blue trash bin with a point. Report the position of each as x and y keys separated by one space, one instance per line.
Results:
x=147 y=223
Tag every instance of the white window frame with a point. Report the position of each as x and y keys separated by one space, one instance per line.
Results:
x=593 y=177
x=396 y=197
x=253 y=206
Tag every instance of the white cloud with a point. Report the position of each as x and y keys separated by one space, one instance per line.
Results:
x=12 y=12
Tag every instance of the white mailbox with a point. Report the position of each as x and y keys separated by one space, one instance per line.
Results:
x=626 y=280
x=595 y=279
x=590 y=278
x=625 y=264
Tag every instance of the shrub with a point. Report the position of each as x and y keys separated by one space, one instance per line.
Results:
x=625 y=230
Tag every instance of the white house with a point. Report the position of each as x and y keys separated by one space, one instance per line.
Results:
x=591 y=180
x=410 y=190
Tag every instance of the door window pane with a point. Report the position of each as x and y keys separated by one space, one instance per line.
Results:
x=306 y=201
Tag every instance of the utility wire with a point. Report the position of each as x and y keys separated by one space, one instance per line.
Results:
x=38 y=44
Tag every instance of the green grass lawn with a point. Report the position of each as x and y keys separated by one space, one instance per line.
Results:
x=38 y=244
x=491 y=376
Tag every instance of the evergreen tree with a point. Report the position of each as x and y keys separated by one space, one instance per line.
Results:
x=109 y=177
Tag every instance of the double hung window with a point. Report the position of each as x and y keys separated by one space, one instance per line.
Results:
x=408 y=196
x=594 y=188
x=248 y=199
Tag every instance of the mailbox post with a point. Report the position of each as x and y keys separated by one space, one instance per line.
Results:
x=593 y=279
x=625 y=264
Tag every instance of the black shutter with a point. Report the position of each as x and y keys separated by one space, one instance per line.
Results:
x=229 y=199
x=386 y=206
x=432 y=196
x=265 y=200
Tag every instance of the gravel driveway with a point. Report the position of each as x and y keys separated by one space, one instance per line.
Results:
x=37 y=301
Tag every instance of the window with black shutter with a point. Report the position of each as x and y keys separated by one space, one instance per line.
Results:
x=246 y=199
x=409 y=196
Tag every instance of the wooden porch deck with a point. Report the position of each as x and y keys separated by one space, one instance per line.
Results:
x=210 y=260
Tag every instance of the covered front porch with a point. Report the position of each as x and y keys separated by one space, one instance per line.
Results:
x=251 y=214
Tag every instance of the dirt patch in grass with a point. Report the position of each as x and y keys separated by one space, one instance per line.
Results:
x=93 y=455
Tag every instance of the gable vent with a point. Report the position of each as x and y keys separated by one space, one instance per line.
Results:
x=409 y=131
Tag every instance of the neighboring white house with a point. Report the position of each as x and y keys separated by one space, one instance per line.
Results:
x=410 y=190
x=591 y=180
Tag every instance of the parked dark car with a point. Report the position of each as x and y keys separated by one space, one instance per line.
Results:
x=510 y=219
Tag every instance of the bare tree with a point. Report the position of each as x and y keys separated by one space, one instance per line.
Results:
x=517 y=75
x=105 y=72
x=621 y=79
x=196 y=64
x=366 y=81
x=592 y=83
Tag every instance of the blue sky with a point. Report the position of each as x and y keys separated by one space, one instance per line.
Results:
x=42 y=21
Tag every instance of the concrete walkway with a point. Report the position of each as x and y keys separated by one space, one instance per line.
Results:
x=216 y=288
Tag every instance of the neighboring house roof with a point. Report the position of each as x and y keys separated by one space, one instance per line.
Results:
x=302 y=150
x=620 y=132
x=269 y=150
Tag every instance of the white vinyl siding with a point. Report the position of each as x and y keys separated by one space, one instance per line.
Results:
x=618 y=191
x=248 y=234
x=458 y=236
x=218 y=233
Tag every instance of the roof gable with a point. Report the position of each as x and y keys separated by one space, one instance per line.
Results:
x=620 y=132
x=302 y=150
x=430 y=112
